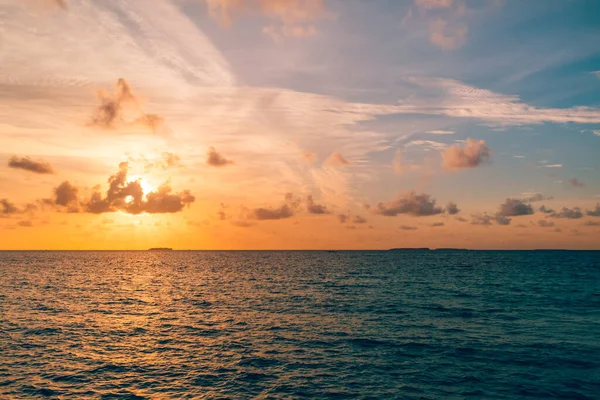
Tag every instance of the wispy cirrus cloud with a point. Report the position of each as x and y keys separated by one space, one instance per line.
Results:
x=456 y=99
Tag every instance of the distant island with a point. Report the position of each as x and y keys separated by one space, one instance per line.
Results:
x=160 y=249
x=426 y=249
x=410 y=249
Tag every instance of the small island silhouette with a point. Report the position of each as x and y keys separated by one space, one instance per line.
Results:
x=160 y=249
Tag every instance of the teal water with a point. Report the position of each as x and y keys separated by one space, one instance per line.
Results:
x=238 y=325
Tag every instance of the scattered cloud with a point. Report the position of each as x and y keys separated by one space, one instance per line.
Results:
x=214 y=159
x=447 y=36
x=357 y=219
x=533 y=197
x=569 y=213
x=410 y=203
x=441 y=132
x=65 y=194
x=26 y=224
x=596 y=132
x=591 y=223
x=314 y=208
x=291 y=18
x=285 y=211
x=430 y=4
x=553 y=165
x=408 y=228
x=546 y=210
x=27 y=164
x=122 y=109
x=452 y=208
x=576 y=182
x=519 y=157
x=595 y=212
x=129 y=197
x=471 y=155
x=7 y=208
x=502 y=220
x=481 y=219
x=336 y=159
x=437 y=224
x=515 y=208
x=545 y=224
x=343 y=218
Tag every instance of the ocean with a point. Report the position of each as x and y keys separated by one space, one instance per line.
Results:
x=300 y=324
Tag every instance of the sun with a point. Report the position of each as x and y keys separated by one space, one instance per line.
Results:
x=147 y=187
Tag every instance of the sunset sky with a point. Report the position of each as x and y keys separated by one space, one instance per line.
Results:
x=299 y=124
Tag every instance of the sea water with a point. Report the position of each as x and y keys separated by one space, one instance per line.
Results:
x=357 y=324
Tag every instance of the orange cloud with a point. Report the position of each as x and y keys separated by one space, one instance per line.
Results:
x=471 y=155
x=294 y=18
x=110 y=114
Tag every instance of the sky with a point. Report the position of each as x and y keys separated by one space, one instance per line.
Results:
x=299 y=124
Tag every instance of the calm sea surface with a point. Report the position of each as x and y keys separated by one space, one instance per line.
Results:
x=238 y=325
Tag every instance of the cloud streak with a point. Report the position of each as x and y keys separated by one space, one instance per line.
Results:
x=27 y=164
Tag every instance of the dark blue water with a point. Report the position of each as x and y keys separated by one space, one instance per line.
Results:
x=237 y=325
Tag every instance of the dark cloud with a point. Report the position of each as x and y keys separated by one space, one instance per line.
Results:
x=514 y=208
x=336 y=159
x=357 y=219
x=314 y=208
x=537 y=197
x=65 y=194
x=502 y=220
x=27 y=164
x=437 y=224
x=129 y=197
x=410 y=203
x=570 y=213
x=7 y=208
x=285 y=211
x=595 y=212
x=110 y=113
x=481 y=219
x=452 y=208
x=545 y=224
x=546 y=210
x=461 y=219
x=575 y=182
x=343 y=218
x=474 y=153
x=215 y=159
x=408 y=228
